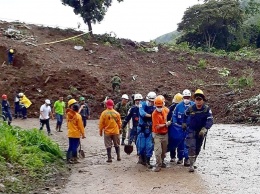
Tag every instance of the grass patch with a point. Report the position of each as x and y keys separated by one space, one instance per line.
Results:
x=28 y=158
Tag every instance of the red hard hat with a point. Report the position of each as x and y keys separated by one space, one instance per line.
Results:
x=110 y=104
x=4 y=96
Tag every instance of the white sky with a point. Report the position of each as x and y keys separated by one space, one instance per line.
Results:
x=139 y=20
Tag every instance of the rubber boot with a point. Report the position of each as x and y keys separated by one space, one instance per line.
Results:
x=192 y=160
x=186 y=162
x=140 y=161
x=148 y=164
x=109 y=157
x=9 y=122
x=59 y=127
x=118 y=153
x=195 y=166
x=143 y=160
x=123 y=141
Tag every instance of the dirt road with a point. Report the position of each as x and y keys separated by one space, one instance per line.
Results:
x=230 y=164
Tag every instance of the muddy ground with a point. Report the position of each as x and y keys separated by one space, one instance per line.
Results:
x=51 y=70
x=229 y=164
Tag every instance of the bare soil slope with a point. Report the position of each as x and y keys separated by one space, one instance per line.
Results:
x=50 y=70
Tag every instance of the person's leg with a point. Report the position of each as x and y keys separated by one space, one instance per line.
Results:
x=41 y=124
x=123 y=135
x=108 y=145
x=47 y=121
x=157 y=152
x=149 y=148
x=116 y=142
x=164 y=143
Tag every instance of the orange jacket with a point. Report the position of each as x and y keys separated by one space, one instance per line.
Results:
x=110 y=122
x=160 y=118
x=74 y=124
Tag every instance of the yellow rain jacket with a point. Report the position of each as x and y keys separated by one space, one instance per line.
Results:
x=110 y=122
x=25 y=101
x=74 y=124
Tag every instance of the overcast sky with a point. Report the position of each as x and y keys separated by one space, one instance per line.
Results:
x=139 y=20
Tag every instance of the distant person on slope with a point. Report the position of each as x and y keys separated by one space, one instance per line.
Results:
x=10 y=55
x=6 y=109
x=59 y=111
x=116 y=82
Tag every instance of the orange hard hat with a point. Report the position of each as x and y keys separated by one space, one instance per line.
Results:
x=159 y=101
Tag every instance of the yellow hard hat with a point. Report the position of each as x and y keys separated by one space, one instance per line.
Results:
x=71 y=101
x=199 y=92
x=177 y=98
x=11 y=51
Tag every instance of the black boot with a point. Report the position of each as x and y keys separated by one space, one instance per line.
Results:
x=143 y=160
x=118 y=153
x=123 y=141
x=59 y=127
x=148 y=164
x=109 y=158
x=140 y=161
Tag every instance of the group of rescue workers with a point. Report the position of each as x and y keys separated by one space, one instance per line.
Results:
x=179 y=129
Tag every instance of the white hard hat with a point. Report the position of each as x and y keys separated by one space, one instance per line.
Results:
x=186 y=92
x=138 y=97
x=151 y=96
x=125 y=96
x=20 y=94
x=47 y=101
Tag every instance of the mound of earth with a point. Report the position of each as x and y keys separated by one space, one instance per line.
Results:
x=50 y=70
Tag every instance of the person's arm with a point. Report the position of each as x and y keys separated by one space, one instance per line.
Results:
x=156 y=122
x=127 y=118
x=142 y=112
x=41 y=112
x=51 y=113
x=81 y=127
x=101 y=124
x=209 y=121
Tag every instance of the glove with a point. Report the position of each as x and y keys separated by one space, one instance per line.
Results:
x=203 y=132
x=184 y=126
x=168 y=123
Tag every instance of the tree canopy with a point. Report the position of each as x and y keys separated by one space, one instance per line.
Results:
x=218 y=23
x=91 y=11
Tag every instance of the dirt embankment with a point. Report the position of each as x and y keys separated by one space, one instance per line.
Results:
x=51 y=70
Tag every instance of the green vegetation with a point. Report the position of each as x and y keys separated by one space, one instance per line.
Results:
x=27 y=159
x=246 y=80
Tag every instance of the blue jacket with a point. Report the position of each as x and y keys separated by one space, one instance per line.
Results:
x=171 y=109
x=143 y=110
x=5 y=106
x=179 y=111
x=199 y=118
x=134 y=115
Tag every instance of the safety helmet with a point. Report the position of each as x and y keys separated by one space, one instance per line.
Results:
x=81 y=98
x=71 y=101
x=21 y=94
x=125 y=96
x=138 y=97
x=47 y=101
x=186 y=92
x=200 y=93
x=4 y=96
x=177 y=98
x=110 y=104
x=69 y=97
x=151 y=96
x=11 y=51
x=159 y=101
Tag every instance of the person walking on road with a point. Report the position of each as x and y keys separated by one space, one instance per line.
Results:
x=84 y=110
x=171 y=148
x=122 y=108
x=75 y=130
x=45 y=113
x=25 y=103
x=201 y=120
x=6 y=109
x=110 y=124
x=59 y=111
x=160 y=131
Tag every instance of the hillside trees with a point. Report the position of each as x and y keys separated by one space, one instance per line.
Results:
x=91 y=11
x=223 y=24
x=214 y=23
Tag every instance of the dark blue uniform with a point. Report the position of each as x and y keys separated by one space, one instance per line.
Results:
x=134 y=115
x=6 y=111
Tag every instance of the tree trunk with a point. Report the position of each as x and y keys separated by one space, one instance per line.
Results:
x=90 y=28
